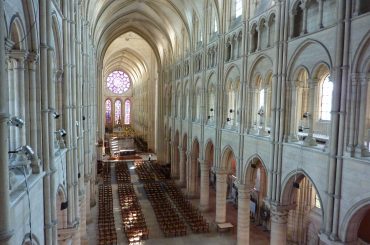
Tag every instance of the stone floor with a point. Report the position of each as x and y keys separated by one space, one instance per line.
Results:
x=257 y=235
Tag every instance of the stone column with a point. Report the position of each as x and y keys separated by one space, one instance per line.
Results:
x=293 y=112
x=18 y=58
x=268 y=34
x=188 y=175
x=11 y=100
x=204 y=186
x=45 y=124
x=291 y=26
x=310 y=140
x=221 y=190
x=253 y=110
x=251 y=47
x=352 y=119
x=279 y=221
x=258 y=30
x=361 y=148
x=193 y=174
x=243 y=214
x=173 y=163
x=73 y=129
x=32 y=62
x=5 y=225
x=182 y=180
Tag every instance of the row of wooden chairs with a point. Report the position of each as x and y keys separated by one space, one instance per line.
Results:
x=133 y=220
x=144 y=172
x=158 y=170
x=169 y=221
x=122 y=173
x=106 y=174
x=106 y=227
x=191 y=214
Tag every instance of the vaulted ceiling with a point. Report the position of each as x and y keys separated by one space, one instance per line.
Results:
x=160 y=22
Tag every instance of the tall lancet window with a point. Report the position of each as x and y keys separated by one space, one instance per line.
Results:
x=108 y=111
x=261 y=98
x=117 y=111
x=127 y=111
x=326 y=97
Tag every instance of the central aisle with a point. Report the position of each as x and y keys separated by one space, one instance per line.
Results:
x=150 y=219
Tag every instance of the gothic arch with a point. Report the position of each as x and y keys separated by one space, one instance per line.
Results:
x=226 y=154
x=361 y=59
x=210 y=77
x=249 y=169
x=260 y=65
x=268 y=77
x=353 y=217
x=320 y=69
x=232 y=72
x=288 y=193
x=298 y=72
x=209 y=152
x=27 y=239
x=308 y=51
x=17 y=33
x=254 y=81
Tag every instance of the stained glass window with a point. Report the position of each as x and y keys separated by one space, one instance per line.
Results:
x=326 y=96
x=127 y=111
x=108 y=110
x=117 y=111
x=118 y=82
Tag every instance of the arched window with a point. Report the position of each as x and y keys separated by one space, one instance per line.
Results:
x=117 y=111
x=238 y=8
x=297 y=20
x=261 y=98
x=108 y=111
x=215 y=26
x=118 y=82
x=326 y=97
x=127 y=111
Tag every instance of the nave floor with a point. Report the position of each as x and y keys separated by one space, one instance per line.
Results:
x=257 y=236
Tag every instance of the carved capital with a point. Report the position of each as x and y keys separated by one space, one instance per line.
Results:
x=279 y=214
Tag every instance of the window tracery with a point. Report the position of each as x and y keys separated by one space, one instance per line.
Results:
x=118 y=82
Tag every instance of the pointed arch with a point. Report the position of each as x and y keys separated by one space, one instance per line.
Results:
x=289 y=192
x=228 y=155
x=353 y=218
x=17 y=33
x=250 y=167
x=310 y=50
